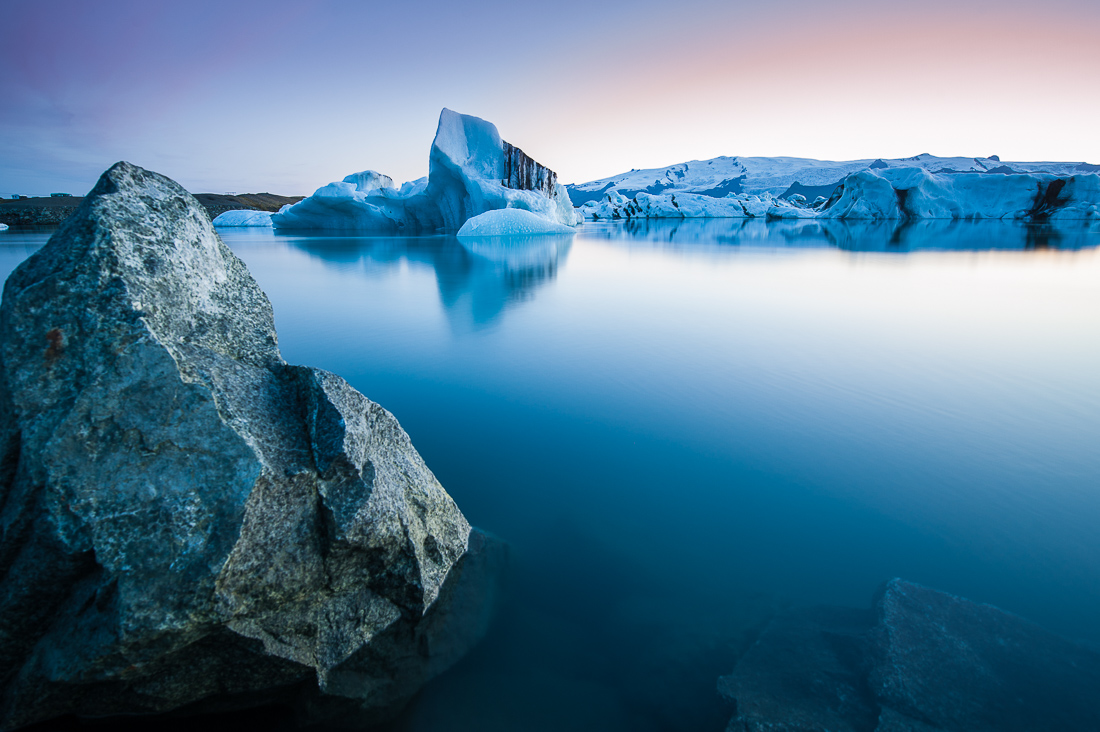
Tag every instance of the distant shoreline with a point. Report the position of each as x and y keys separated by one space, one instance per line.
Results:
x=51 y=210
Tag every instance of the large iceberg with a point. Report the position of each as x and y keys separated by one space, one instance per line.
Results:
x=883 y=192
x=784 y=177
x=471 y=170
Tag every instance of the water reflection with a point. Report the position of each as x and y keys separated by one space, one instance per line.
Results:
x=859 y=236
x=18 y=244
x=503 y=272
x=478 y=279
x=672 y=444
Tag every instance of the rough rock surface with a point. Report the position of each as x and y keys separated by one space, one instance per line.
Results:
x=188 y=520
x=922 y=661
x=803 y=673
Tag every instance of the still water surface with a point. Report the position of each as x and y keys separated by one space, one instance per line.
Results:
x=683 y=426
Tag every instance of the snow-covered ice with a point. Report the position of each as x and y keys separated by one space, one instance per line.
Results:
x=914 y=193
x=783 y=176
x=692 y=206
x=884 y=192
x=3 y=227
x=471 y=170
x=510 y=222
x=243 y=218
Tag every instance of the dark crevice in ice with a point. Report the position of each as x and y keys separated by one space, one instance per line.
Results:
x=523 y=173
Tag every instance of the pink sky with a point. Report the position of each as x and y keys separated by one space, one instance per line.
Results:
x=286 y=96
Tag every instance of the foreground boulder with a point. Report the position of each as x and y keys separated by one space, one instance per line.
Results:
x=186 y=519
x=921 y=661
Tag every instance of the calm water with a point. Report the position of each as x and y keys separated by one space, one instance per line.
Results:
x=682 y=427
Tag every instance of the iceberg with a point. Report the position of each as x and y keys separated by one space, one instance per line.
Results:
x=471 y=170
x=243 y=218
x=693 y=206
x=510 y=222
x=785 y=177
x=914 y=193
x=3 y=227
x=884 y=192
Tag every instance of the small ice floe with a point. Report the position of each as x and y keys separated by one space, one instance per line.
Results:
x=243 y=218
x=510 y=222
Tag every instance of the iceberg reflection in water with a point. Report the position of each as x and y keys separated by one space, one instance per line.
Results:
x=478 y=279
x=859 y=236
x=681 y=426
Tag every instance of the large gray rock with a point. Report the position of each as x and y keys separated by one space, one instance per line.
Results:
x=922 y=661
x=962 y=665
x=803 y=675
x=185 y=518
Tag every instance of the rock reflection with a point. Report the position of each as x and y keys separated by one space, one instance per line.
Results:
x=858 y=236
x=478 y=279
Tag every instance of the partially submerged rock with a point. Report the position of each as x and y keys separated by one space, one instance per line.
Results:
x=188 y=520
x=803 y=674
x=922 y=661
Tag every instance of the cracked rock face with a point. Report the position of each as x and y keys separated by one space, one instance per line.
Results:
x=187 y=519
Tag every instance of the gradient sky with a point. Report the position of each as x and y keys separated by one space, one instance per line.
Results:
x=286 y=96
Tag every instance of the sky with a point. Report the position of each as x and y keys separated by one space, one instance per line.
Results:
x=283 y=97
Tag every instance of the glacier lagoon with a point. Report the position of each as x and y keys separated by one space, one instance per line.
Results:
x=682 y=426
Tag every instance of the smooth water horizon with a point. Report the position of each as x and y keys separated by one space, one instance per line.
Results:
x=681 y=427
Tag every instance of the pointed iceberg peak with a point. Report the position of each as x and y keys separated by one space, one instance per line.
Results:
x=474 y=145
x=468 y=142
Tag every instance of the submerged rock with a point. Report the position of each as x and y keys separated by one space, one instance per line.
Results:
x=803 y=674
x=922 y=661
x=188 y=520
